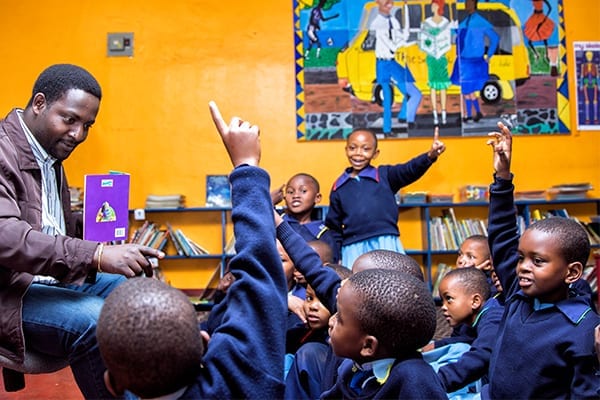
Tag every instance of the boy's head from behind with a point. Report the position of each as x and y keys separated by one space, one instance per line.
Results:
x=552 y=254
x=473 y=251
x=388 y=259
x=361 y=149
x=463 y=291
x=381 y=314
x=149 y=339
x=302 y=192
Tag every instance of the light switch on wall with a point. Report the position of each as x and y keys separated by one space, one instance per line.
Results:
x=120 y=44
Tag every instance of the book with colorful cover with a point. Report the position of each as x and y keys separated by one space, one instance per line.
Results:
x=106 y=207
x=218 y=191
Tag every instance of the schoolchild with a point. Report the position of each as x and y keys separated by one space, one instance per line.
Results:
x=544 y=347
x=465 y=295
x=383 y=318
x=363 y=213
x=246 y=351
x=474 y=252
x=301 y=194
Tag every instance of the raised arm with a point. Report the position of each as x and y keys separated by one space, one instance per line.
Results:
x=245 y=354
x=503 y=235
x=324 y=281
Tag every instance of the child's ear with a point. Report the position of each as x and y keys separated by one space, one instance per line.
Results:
x=113 y=387
x=369 y=346
x=318 y=198
x=476 y=301
x=574 y=272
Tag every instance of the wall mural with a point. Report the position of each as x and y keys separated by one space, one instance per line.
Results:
x=402 y=67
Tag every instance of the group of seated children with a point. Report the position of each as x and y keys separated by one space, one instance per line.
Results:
x=365 y=331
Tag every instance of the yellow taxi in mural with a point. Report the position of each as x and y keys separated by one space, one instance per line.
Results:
x=508 y=67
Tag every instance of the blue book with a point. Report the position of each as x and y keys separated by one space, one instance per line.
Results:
x=106 y=207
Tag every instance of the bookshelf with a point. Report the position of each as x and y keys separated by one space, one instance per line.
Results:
x=210 y=227
x=416 y=230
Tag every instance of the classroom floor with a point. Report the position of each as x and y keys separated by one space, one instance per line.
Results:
x=59 y=385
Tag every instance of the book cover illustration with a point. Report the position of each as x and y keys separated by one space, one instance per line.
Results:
x=218 y=191
x=106 y=207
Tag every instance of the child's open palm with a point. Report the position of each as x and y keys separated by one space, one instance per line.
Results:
x=501 y=142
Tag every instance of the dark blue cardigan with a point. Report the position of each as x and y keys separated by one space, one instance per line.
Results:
x=245 y=356
x=474 y=364
x=547 y=353
x=364 y=208
x=410 y=378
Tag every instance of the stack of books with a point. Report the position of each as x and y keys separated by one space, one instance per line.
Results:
x=165 y=201
x=567 y=191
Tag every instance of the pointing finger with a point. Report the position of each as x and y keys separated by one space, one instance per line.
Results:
x=217 y=118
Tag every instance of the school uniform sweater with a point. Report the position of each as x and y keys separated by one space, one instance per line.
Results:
x=546 y=353
x=474 y=364
x=324 y=281
x=314 y=230
x=409 y=378
x=364 y=207
x=245 y=357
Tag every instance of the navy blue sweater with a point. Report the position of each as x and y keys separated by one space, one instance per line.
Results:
x=474 y=364
x=547 y=353
x=410 y=378
x=245 y=356
x=315 y=230
x=324 y=281
x=364 y=208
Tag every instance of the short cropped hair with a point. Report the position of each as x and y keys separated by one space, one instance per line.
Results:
x=57 y=79
x=149 y=337
x=323 y=249
x=366 y=130
x=341 y=270
x=389 y=259
x=309 y=177
x=572 y=239
x=396 y=308
x=480 y=239
x=472 y=280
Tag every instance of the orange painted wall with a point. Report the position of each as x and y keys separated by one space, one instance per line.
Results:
x=154 y=121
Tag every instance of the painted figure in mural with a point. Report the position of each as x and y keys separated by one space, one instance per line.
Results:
x=540 y=27
x=314 y=25
x=390 y=36
x=589 y=78
x=436 y=40
x=476 y=44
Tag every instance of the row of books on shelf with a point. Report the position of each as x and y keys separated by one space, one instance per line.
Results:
x=537 y=215
x=152 y=235
x=447 y=232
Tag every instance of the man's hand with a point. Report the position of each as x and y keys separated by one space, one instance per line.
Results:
x=126 y=259
x=501 y=143
x=240 y=138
